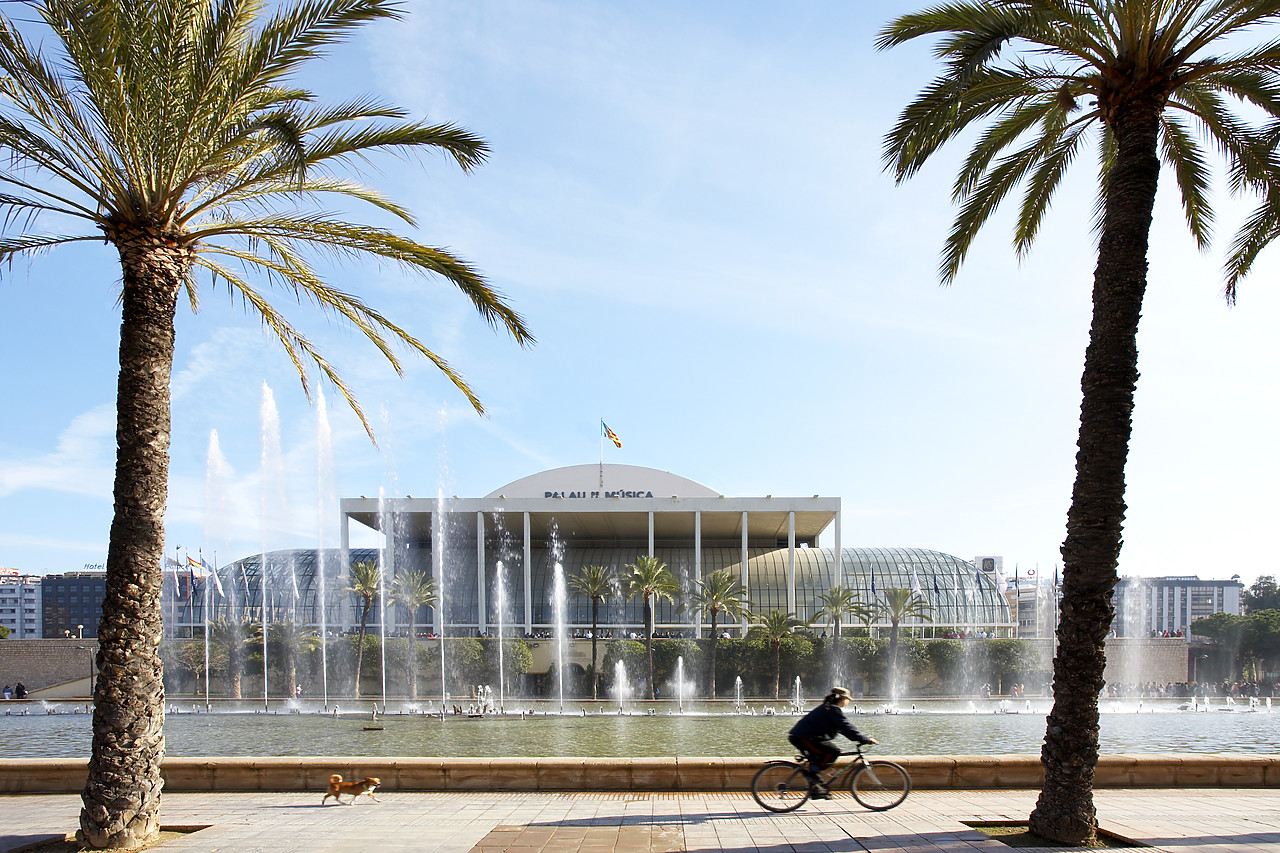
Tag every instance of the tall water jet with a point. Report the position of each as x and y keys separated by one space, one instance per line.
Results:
x=501 y=583
x=437 y=558
x=559 y=606
x=621 y=686
x=216 y=524
x=326 y=504
x=797 y=697
x=737 y=694
x=680 y=684
x=272 y=509
x=385 y=567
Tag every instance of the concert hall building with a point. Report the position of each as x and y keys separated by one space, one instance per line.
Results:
x=505 y=547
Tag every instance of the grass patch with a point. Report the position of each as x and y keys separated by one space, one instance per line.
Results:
x=70 y=845
x=1017 y=835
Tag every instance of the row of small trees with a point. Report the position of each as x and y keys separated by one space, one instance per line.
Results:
x=235 y=650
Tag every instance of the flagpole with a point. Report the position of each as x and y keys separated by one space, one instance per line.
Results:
x=602 y=454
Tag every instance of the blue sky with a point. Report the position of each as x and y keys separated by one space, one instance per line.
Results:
x=686 y=201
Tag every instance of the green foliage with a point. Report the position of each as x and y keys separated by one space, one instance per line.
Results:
x=1007 y=662
x=4 y=633
x=947 y=659
x=517 y=657
x=665 y=653
x=1262 y=594
x=1252 y=641
x=632 y=653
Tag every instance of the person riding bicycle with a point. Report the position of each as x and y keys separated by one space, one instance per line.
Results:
x=814 y=736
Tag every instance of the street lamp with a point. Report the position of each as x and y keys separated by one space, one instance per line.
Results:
x=80 y=632
x=1195 y=667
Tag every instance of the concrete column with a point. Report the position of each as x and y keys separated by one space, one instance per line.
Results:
x=791 y=562
x=344 y=554
x=839 y=573
x=650 y=533
x=745 y=581
x=437 y=563
x=528 y=578
x=697 y=568
x=482 y=621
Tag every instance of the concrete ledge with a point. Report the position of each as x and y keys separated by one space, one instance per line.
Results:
x=936 y=772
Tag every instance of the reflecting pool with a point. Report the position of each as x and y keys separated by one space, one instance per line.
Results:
x=647 y=730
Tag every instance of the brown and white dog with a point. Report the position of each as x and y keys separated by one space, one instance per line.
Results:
x=337 y=787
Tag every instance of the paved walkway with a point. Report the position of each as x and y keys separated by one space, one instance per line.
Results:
x=1178 y=821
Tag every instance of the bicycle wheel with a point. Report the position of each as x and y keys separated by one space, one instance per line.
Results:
x=880 y=785
x=780 y=786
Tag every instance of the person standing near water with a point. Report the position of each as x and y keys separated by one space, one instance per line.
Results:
x=814 y=735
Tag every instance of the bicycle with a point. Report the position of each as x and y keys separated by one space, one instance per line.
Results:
x=784 y=786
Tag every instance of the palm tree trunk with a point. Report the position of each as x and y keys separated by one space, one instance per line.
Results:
x=648 y=641
x=837 y=665
x=893 y=656
x=1065 y=810
x=364 y=622
x=777 y=668
x=413 y=654
x=235 y=663
x=714 y=641
x=595 y=632
x=122 y=794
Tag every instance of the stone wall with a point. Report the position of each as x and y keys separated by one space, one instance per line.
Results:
x=928 y=772
x=40 y=664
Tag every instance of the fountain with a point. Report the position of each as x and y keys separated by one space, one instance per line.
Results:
x=797 y=698
x=326 y=502
x=737 y=694
x=621 y=686
x=501 y=582
x=272 y=509
x=559 y=605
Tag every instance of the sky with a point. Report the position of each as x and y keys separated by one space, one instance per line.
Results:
x=687 y=203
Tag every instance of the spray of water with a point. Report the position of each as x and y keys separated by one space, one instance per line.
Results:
x=326 y=503
x=501 y=582
x=559 y=606
x=272 y=508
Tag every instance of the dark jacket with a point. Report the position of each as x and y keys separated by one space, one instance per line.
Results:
x=825 y=722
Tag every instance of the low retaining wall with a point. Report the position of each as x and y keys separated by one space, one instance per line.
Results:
x=57 y=776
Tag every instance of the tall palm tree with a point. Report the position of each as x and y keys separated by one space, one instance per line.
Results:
x=1041 y=75
x=720 y=592
x=774 y=627
x=650 y=581
x=596 y=583
x=413 y=588
x=175 y=130
x=366 y=583
x=838 y=602
x=899 y=605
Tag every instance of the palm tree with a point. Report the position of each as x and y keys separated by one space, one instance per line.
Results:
x=366 y=583
x=596 y=583
x=175 y=130
x=900 y=604
x=288 y=637
x=838 y=602
x=720 y=592
x=650 y=581
x=414 y=588
x=1041 y=75
x=774 y=627
x=232 y=635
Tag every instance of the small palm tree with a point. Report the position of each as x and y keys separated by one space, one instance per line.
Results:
x=413 y=589
x=838 y=602
x=1149 y=80
x=899 y=605
x=366 y=583
x=595 y=583
x=720 y=592
x=177 y=132
x=651 y=581
x=289 y=637
x=232 y=636
x=774 y=627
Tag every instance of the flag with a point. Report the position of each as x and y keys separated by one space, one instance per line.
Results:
x=936 y=592
x=915 y=583
x=873 y=581
x=610 y=434
x=217 y=582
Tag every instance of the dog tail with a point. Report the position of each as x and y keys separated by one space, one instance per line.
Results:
x=335 y=779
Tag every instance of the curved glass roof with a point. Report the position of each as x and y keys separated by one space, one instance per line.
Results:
x=958 y=593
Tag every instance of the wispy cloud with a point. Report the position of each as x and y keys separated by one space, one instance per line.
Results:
x=82 y=464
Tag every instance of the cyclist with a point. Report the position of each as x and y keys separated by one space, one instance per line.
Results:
x=814 y=737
